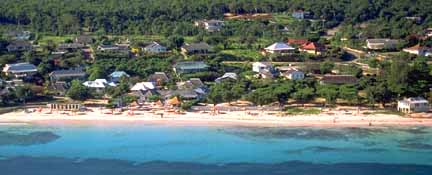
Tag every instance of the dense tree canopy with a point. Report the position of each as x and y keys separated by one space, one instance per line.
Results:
x=172 y=16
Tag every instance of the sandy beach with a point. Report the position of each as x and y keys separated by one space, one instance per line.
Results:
x=259 y=118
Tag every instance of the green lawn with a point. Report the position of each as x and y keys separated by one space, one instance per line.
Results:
x=282 y=18
x=55 y=39
x=244 y=53
x=302 y=111
x=146 y=37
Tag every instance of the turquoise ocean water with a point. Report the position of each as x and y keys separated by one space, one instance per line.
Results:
x=139 y=148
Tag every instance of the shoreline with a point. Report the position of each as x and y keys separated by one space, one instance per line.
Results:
x=206 y=119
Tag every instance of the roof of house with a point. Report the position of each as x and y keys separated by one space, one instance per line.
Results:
x=84 y=39
x=158 y=76
x=143 y=86
x=230 y=75
x=267 y=64
x=312 y=46
x=414 y=100
x=267 y=73
x=98 y=83
x=20 y=35
x=297 y=41
x=20 y=67
x=19 y=43
x=279 y=46
x=192 y=83
x=60 y=86
x=417 y=48
x=118 y=74
x=154 y=45
x=213 y=21
x=69 y=72
x=339 y=79
x=288 y=70
x=382 y=40
x=196 y=82
x=184 y=93
x=196 y=46
x=70 y=46
x=191 y=65
x=144 y=93
x=113 y=47
x=299 y=11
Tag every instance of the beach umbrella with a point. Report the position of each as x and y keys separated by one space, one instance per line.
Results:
x=159 y=103
x=134 y=104
x=174 y=101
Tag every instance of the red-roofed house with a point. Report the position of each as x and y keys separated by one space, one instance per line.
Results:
x=312 y=48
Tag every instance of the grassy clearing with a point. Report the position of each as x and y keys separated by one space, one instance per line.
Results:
x=55 y=39
x=303 y=111
x=282 y=18
x=255 y=55
x=146 y=37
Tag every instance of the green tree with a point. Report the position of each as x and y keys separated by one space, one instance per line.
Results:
x=396 y=76
x=78 y=91
x=261 y=96
x=329 y=92
x=379 y=93
x=349 y=93
x=121 y=89
x=96 y=72
x=216 y=94
x=419 y=78
x=283 y=92
x=326 y=67
x=175 y=41
x=24 y=93
x=304 y=95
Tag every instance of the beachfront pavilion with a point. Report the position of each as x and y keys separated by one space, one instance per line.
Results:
x=414 y=104
x=64 y=107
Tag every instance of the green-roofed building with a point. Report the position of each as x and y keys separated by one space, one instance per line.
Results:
x=190 y=67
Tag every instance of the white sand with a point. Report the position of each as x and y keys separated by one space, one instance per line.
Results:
x=230 y=118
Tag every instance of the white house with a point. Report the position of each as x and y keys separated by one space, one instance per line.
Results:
x=413 y=104
x=99 y=85
x=116 y=76
x=155 y=48
x=419 y=50
x=210 y=25
x=228 y=75
x=104 y=48
x=144 y=86
x=264 y=70
x=259 y=66
x=293 y=73
x=378 y=44
x=279 y=47
x=428 y=32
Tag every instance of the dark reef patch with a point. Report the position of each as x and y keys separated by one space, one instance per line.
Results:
x=323 y=149
x=415 y=130
x=304 y=133
x=33 y=138
x=420 y=146
x=55 y=166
